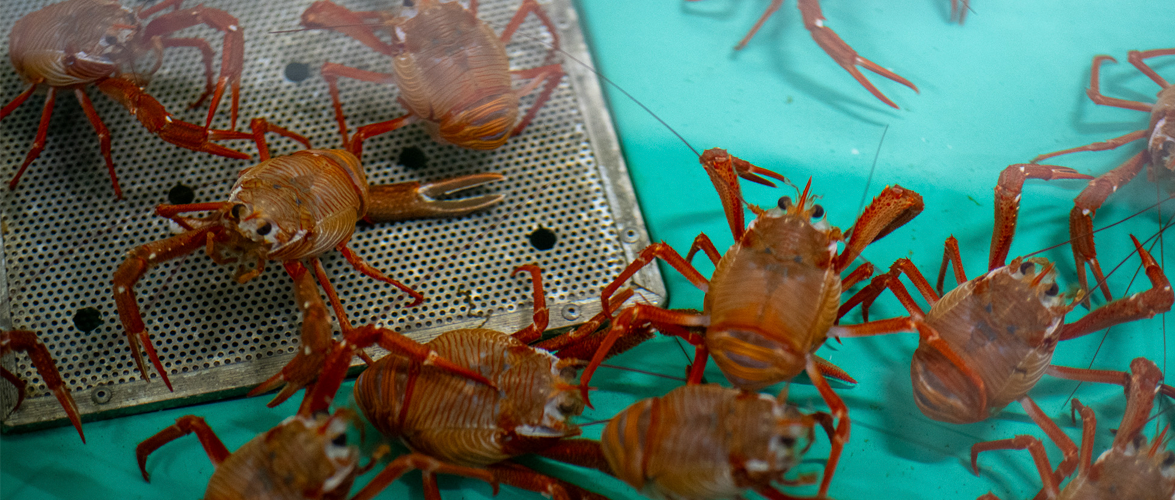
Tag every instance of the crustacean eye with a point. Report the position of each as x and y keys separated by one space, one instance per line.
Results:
x=1052 y=291
x=236 y=211
x=264 y=229
x=787 y=441
x=784 y=203
x=1027 y=267
x=567 y=407
x=340 y=440
x=817 y=211
x=1169 y=459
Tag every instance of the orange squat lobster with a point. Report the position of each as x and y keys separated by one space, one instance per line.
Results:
x=450 y=419
x=1129 y=469
x=27 y=342
x=988 y=341
x=306 y=456
x=287 y=209
x=451 y=69
x=704 y=442
x=75 y=43
x=1159 y=154
x=837 y=49
x=774 y=294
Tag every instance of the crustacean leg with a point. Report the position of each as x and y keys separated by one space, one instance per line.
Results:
x=844 y=55
x=103 y=136
x=144 y=107
x=870 y=292
x=157 y=120
x=1095 y=95
x=506 y=473
x=232 y=61
x=27 y=342
x=325 y=14
x=550 y=72
x=702 y=242
x=206 y=56
x=522 y=477
x=331 y=72
x=131 y=270
x=1081 y=217
x=260 y=126
x=723 y=168
x=42 y=129
x=1069 y=451
x=1142 y=385
x=771 y=9
x=421 y=462
x=1138 y=306
x=636 y=318
x=583 y=343
x=328 y=15
x=1021 y=442
x=183 y=426
x=959 y=10
x=836 y=48
x=1007 y=204
x=538 y=325
x=316 y=342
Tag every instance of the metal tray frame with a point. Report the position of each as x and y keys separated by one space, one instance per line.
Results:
x=598 y=233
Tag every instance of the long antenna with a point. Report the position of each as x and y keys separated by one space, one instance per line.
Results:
x=872 y=168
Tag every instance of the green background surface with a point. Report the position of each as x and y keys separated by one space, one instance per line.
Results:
x=1006 y=86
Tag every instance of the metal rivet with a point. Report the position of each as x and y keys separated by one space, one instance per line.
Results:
x=570 y=312
x=101 y=395
x=630 y=235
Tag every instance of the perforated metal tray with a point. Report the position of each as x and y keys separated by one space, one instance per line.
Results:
x=64 y=233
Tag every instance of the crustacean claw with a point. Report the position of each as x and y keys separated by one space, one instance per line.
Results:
x=414 y=200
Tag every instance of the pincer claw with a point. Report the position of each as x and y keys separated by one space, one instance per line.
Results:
x=414 y=200
x=432 y=190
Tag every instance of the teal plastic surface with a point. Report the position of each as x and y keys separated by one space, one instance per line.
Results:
x=1003 y=88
